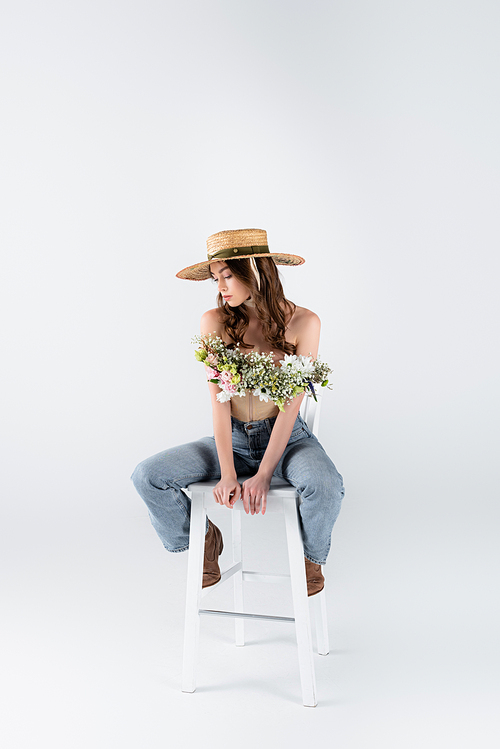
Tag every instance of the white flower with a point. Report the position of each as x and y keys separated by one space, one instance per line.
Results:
x=288 y=359
x=222 y=397
x=302 y=364
x=262 y=396
x=306 y=364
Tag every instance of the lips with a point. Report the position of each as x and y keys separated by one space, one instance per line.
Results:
x=227 y=297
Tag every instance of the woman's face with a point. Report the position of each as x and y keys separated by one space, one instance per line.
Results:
x=232 y=290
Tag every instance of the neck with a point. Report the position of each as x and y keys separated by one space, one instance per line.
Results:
x=249 y=302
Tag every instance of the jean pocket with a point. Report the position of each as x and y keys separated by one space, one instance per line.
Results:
x=300 y=431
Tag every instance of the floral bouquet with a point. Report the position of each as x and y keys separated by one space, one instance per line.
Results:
x=235 y=372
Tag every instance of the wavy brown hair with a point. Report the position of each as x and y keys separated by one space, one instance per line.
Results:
x=273 y=310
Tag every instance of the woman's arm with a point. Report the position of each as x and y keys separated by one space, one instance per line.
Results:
x=228 y=489
x=254 y=495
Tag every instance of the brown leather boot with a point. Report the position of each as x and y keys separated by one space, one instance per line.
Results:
x=314 y=577
x=213 y=549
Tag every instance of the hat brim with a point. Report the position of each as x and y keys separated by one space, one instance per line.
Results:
x=201 y=271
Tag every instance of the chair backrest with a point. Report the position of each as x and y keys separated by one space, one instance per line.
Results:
x=310 y=411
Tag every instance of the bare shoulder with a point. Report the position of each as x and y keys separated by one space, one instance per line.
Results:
x=304 y=330
x=211 y=322
x=304 y=319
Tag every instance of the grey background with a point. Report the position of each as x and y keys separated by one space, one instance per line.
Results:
x=363 y=135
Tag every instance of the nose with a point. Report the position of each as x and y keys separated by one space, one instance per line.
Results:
x=222 y=283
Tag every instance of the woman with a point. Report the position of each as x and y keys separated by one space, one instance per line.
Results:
x=251 y=436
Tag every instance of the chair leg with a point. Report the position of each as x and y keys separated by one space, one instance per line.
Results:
x=239 y=630
x=300 y=604
x=319 y=602
x=193 y=591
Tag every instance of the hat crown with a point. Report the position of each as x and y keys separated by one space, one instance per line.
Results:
x=225 y=240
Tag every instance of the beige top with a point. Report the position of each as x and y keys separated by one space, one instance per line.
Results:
x=251 y=408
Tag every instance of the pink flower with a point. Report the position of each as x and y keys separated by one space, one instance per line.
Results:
x=212 y=359
x=229 y=387
x=213 y=374
x=226 y=376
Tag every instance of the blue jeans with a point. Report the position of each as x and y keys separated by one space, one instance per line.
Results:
x=304 y=464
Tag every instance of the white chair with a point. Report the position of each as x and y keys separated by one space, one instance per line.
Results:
x=282 y=497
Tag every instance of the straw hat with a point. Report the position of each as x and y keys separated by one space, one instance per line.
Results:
x=236 y=244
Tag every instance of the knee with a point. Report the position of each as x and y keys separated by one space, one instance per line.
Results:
x=327 y=484
x=336 y=483
x=142 y=475
x=154 y=474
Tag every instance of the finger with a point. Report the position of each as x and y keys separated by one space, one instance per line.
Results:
x=226 y=498
x=244 y=499
x=248 y=498
x=264 y=504
x=256 y=503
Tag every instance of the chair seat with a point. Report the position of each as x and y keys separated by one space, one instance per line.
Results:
x=276 y=483
x=279 y=490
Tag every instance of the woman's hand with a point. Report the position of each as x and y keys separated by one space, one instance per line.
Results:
x=227 y=491
x=254 y=494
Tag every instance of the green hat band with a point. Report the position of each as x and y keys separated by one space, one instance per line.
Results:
x=228 y=252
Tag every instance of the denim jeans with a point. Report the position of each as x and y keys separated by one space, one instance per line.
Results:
x=304 y=464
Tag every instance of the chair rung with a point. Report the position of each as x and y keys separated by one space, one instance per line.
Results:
x=227 y=575
x=239 y=615
x=258 y=577
x=230 y=572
